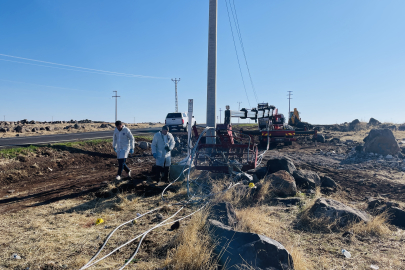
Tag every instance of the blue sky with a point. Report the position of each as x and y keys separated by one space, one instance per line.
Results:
x=342 y=59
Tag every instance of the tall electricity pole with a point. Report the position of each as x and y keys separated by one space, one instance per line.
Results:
x=116 y=92
x=239 y=102
x=220 y=115
x=289 y=102
x=175 y=83
x=212 y=68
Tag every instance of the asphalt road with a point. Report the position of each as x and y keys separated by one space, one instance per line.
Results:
x=57 y=138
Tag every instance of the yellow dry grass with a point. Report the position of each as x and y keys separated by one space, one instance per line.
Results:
x=268 y=221
x=193 y=247
x=377 y=226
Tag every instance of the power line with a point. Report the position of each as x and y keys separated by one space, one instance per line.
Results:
x=76 y=68
x=175 y=82
x=235 y=18
x=236 y=51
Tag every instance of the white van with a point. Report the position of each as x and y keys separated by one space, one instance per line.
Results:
x=178 y=121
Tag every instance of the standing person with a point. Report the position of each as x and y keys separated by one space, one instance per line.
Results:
x=163 y=142
x=123 y=143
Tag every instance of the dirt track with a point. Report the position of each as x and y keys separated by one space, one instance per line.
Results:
x=55 y=173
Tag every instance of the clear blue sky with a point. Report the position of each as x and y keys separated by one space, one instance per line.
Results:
x=343 y=59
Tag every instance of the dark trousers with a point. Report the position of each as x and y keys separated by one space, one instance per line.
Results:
x=122 y=166
x=163 y=170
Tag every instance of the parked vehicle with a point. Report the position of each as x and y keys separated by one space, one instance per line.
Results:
x=178 y=121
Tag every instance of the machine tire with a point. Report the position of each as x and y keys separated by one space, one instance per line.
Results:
x=186 y=128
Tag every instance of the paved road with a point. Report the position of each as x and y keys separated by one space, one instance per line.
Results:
x=45 y=139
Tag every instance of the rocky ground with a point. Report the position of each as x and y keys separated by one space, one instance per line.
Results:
x=33 y=128
x=52 y=196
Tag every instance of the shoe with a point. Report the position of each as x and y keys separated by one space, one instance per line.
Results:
x=118 y=177
x=129 y=174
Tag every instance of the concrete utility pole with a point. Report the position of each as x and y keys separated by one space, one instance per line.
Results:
x=175 y=82
x=239 y=102
x=4 y=118
x=212 y=68
x=116 y=92
x=289 y=102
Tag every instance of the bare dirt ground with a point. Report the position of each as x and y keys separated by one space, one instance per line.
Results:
x=50 y=199
x=60 y=128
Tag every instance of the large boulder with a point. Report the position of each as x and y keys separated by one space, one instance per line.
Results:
x=334 y=211
x=48 y=128
x=353 y=125
x=19 y=129
x=3 y=130
x=243 y=249
x=278 y=164
x=381 y=141
x=320 y=138
x=144 y=145
x=326 y=181
x=260 y=172
x=374 y=122
x=397 y=217
x=401 y=128
x=307 y=179
x=282 y=183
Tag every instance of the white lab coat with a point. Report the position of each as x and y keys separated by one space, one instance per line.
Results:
x=123 y=141
x=158 y=148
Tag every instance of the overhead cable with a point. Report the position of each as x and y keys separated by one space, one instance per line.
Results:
x=235 y=17
x=236 y=51
x=75 y=68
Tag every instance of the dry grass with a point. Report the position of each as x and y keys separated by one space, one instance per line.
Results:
x=63 y=233
x=268 y=221
x=377 y=226
x=260 y=220
x=193 y=247
x=307 y=222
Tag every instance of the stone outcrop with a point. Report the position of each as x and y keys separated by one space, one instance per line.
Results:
x=244 y=249
x=337 y=212
x=381 y=141
x=307 y=179
x=283 y=183
x=278 y=164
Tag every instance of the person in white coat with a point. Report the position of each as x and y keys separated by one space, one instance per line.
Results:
x=123 y=143
x=162 y=144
